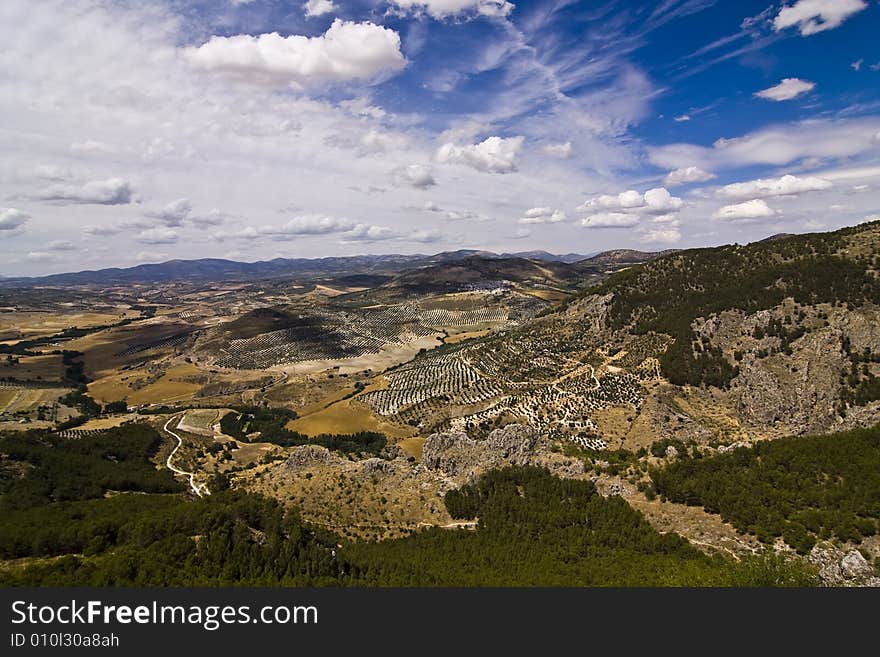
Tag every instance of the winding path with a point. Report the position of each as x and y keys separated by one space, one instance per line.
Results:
x=199 y=490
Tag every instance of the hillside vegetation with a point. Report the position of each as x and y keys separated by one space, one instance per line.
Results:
x=800 y=488
x=668 y=294
x=534 y=529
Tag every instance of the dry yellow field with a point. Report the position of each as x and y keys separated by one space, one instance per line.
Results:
x=455 y=338
x=347 y=417
x=412 y=447
x=24 y=399
x=171 y=387
x=40 y=324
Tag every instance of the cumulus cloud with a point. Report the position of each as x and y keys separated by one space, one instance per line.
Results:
x=11 y=218
x=542 y=216
x=754 y=209
x=654 y=201
x=368 y=233
x=173 y=214
x=318 y=7
x=765 y=188
x=309 y=224
x=428 y=236
x=415 y=175
x=445 y=8
x=813 y=16
x=684 y=118
x=346 y=51
x=157 y=236
x=113 y=191
x=610 y=220
x=493 y=155
x=686 y=176
x=788 y=89
x=563 y=150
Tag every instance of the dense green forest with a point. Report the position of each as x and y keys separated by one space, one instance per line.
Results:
x=534 y=529
x=270 y=422
x=538 y=530
x=229 y=538
x=667 y=294
x=40 y=467
x=800 y=488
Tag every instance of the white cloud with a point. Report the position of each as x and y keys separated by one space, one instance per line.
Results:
x=376 y=141
x=310 y=224
x=682 y=119
x=465 y=215
x=777 y=145
x=493 y=155
x=788 y=89
x=662 y=235
x=654 y=201
x=318 y=7
x=246 y=233
x=114 y=191
x=40 y=256
x=415 y=175
x=367 y=233
x=857 y=65
x=150 y=256
x=765 y=188
x=61 y=245
x=174 y=213
x=563 y=150
x=157 y=236
x=428 y=236
x=686 y=176
x=542 y=216
x=346 y=51
x=813 y=16
x=754 y=209
x=10 y=218
x=446 y=8
x=610 y=220
x=660 y=201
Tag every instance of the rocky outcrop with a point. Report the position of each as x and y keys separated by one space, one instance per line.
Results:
x=463 y=458
x=839 y=568
x=308 y=456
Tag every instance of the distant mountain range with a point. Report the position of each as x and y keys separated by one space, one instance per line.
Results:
x=216 y=269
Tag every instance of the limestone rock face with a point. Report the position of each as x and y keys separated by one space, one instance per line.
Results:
x=839 y=568
x=462 y=458
x=306 y=456
x=450 y=452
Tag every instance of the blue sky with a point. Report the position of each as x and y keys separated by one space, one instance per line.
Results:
x=265 y=128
